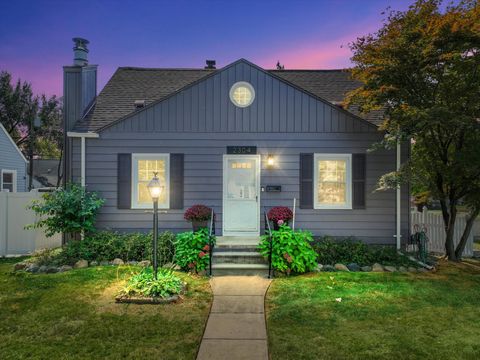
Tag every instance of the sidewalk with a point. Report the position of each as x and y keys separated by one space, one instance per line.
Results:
x=236 y=326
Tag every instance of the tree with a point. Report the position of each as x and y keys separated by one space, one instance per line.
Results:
x=423 y=68
x=33 y=122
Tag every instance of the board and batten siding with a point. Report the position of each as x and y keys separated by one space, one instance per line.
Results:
x=11 y=159
x=200 y=122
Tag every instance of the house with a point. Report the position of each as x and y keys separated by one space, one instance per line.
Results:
x=240 y=139
x=45 y=173
x=13 y=165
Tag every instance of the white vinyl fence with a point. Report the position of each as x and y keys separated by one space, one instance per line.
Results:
x=433 y=221
x=14 y=215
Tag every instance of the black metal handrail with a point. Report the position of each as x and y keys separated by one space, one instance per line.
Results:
x=211 y=233
x=268 y=232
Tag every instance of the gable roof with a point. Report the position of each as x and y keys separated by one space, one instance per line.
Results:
x=128 y=84
x=13 y=142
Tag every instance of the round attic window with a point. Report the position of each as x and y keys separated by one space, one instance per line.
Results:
x=242 y=94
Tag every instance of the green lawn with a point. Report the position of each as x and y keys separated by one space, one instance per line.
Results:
x=381 y=315
x=72 y=315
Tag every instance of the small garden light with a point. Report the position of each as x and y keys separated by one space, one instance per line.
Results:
x=155 y=187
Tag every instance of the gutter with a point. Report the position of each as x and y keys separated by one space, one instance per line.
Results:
x=82 y=136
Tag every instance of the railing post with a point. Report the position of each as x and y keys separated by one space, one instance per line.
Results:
x=210 y=245
x=270 y=238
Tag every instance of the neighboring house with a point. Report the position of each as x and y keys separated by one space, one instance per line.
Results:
x=240 y=139
x=45 y=173
x=13 y=165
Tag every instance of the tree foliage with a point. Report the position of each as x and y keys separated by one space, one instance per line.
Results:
x=422 y=67
x=33 y=122
x=70 y=210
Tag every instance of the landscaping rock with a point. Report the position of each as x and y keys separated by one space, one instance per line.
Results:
x=377 y=267
x=319 y=268
x=104 y=263
x=144 y=263
x=80 y=264
x=19 y=266
x=402 y=269
x=366 y=268
x=390 y=268
x=412 y=269
x=64 y=268
x=117 y=261
x=422 y=270
x=93 y=263
x=132 y=262
x=42 y=269
x=51 y=270
x=168 y=265
x=177 y=267
x=341 y=267
x=33 y=268
x=353 y=267
x=328 y=268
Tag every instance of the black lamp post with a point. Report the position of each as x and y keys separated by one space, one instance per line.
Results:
x=155 y=187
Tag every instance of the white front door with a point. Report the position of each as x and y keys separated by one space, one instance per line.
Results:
x=241 y=195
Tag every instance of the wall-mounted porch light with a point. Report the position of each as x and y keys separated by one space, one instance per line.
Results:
x=270 y=161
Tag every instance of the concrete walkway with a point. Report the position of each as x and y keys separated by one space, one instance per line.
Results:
x=236 y=326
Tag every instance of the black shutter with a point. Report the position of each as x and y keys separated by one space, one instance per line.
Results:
x=306 y=181
x=176 y=181
x=359 y=174
x=124 y=181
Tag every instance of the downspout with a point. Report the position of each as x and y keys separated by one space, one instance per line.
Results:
x=399 y=207
x=82 y=137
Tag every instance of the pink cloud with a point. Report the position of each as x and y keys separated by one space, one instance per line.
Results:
x=316 y=55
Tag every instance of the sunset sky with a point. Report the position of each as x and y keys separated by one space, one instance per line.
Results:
x=35 y=36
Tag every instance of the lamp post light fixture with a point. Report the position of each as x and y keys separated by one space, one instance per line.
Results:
x=155 y=187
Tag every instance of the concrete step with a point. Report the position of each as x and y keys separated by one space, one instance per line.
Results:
x=225 y=269
x=239 y=243
x=237 y=257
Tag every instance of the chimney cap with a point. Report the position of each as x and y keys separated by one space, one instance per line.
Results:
x=210 y=64
x=81 y=42
x=80 y=51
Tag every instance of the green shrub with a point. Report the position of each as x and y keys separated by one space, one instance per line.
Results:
x=143 y=284
x=69 y=210
x=192 y=250
x=107 y=245
x=291 y=250
x=349 y=250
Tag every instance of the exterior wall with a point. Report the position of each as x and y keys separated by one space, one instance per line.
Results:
x=201 y=122
x=10 y=159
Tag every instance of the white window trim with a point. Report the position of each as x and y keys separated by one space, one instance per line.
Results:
x=135 y=158
x=14 y=178
x=348 y=158
x=240 y=84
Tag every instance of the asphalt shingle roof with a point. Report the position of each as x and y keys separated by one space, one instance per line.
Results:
x=129 y=84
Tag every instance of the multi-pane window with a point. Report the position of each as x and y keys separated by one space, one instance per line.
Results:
x=144 y=166
x=242 y=94
x=332 y=181
x=8 y=182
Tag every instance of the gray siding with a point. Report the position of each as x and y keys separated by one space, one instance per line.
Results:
x=201 y=122
x=10 y=159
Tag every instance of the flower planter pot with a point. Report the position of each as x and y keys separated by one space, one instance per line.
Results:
x=197 y=225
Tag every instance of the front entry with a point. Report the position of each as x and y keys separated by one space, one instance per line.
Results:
x=241 y=195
